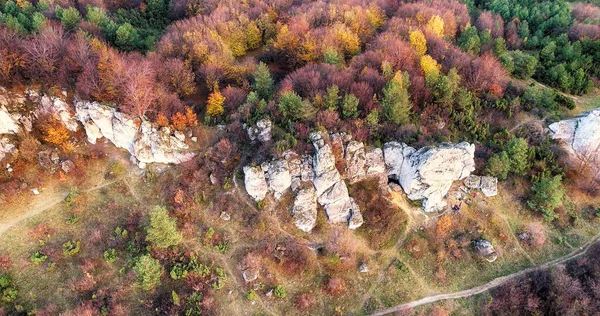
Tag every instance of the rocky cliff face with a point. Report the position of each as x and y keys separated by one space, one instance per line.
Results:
x=580 y=137
x=143 y=140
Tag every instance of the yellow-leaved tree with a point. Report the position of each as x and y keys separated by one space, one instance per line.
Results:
x=430 y=66
x=436 y=26
x=214 y=105
x=418 y=42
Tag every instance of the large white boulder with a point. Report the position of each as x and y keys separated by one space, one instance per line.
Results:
x=278 y=176
x=9 y=124
x=427 y=174
x=255 y=182
x=355 y=161
x=580 y=137
x=58 y=109
x=142 y=139
x=304 y=210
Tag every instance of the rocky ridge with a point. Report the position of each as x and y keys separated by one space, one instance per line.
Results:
x=425 y=174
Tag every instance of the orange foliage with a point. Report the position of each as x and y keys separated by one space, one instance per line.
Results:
x=191 y=117
x=162 y=120
x=443 y=225
x=55 y=133
x=179 y=121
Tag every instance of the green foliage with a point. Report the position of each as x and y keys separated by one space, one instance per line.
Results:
x=546 y=195
x=332 y=98
x=175 y=297
x=500 y=46
x=290 y=105
x=499 y=165
x=70 y=18
x=96 y=16
x=279 y=291
x=178 y=271
x=400 y=266
x=162 y=230
x=110 y=255
x=469 y=40
x=38 y=257
x=221 y=278
x=9 y=293
x=127 y=37
x=193 y=304
x=519 y=64
x=263 y=83
x=518 y=151
x=252 y=296
x=71 y=248
x=396 y=102
x=332 y=57
x=350 y=106
x=148 y=272
x=71 y=197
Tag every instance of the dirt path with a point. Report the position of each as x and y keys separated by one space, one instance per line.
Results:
x=492 y=284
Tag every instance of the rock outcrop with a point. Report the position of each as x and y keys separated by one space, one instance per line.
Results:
x=255 y=182
x=143 y=140
x=580 y=137
x=304 y=210
x=261 y=131
x=487 y=185
x=484 y=249
x=277 y=174
x=427 y=174
x=9 y=124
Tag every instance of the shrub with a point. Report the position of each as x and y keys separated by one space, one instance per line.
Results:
x=251 y=296
x=110 y=255
x=38 y=257
x=148 y=272
x=162 y=231
x=71 y=248
x=178 y=271
x=279 y=291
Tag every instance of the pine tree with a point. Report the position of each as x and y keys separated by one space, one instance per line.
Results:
x=396 y=100
x=263 y=83
x=148 y=272
x=162 y=231
x=332 y=98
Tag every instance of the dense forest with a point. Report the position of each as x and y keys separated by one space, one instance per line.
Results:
x=420 y=72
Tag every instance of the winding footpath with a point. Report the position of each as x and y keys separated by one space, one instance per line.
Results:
x=492 y=284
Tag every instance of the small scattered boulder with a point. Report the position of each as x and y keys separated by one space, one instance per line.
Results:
x=473 y=182
x=225 y=216
x=356 y=219
x=363 y=268
x=250 y=274
x=255 y=182
x=67 y=166
x=489 y=186
x=6 y=148
x=485 y=249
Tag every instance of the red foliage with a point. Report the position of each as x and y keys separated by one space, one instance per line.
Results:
x=335 y=286
x=492 y=22
x=580 y=31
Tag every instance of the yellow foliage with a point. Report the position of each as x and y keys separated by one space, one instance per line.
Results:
x=55 y=133
x=418 y=42
x=348 y=40
x=214 y=105
x=286 y=40
x=308 y=50
x=429 y=66
x=376 y=16
x=253 y=36
x=436 y=26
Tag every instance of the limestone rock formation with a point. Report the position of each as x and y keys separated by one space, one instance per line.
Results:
x=255 y=182
x=141 y=139
x=58 y=109
x=427 y=174
x=9 y=124
x=355 y=161
x=304 y=210
x=278 y=176
x=261 y=131
x=580 y=137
